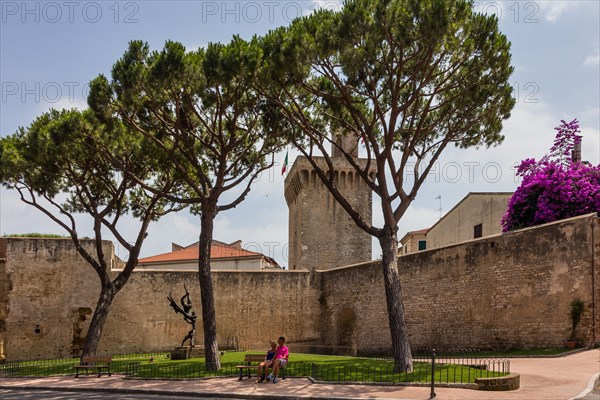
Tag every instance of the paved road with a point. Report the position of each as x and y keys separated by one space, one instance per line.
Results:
x=9 y=394
x=595 y=393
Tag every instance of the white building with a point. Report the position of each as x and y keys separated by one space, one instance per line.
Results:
x=477 y=215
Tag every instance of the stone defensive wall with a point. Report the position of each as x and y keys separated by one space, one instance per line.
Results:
x=511 y=290
x=49 y=293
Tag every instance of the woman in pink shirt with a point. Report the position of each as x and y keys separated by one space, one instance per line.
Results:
x=281 y=358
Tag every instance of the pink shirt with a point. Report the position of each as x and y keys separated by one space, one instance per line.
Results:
x=281 y=352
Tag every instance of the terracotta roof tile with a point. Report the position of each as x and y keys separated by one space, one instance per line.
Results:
x=218 y=250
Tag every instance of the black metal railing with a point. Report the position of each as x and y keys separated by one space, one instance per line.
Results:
x=432 y=368
x=65 y=366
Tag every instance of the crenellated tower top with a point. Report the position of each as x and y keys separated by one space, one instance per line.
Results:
x=321 y=233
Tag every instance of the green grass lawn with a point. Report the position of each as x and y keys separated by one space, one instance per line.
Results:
x=453 y=369
x=320 y=367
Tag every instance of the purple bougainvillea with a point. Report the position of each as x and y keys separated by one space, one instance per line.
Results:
x=554 y=187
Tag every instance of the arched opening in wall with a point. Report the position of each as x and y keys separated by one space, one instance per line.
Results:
x=346 y=332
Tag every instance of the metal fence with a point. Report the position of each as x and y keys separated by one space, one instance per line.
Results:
x=65 y=366
x=349 y=351
x=428 y=369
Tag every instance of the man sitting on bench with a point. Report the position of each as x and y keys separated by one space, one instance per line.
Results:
x=281 y=358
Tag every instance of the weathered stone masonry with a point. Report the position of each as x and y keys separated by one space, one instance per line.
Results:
x=5 y=288
x=322 y=235
x=510 y=290
x=507 y=291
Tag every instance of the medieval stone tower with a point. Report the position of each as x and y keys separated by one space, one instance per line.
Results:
x=322 y=235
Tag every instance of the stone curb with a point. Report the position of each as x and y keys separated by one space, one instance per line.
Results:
x=188 y=394
x=501 y=383
x=591 y=390
x=472 y=386
x=565 y=354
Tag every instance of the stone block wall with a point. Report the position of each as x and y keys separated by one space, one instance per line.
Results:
x=251 y=307
x=353 y=308
x=507 y=291
x=503 y=383
x=512 y=290
x=5 y=288
x=321 y=233
x=50 y=298
x=52 y=292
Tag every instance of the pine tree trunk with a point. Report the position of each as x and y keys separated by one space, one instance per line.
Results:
x=209 y=322
x=393 y=294
x=94 y=334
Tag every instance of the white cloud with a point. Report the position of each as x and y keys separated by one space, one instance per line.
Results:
x=418 y=217
x=63 y=103
x=267 y=233
x=332 y=5
x=18 y=217
x=261 y=221
x=590 y=145
x=529 y=134
x=593 y=60
x=181 y=228
x=194 y=46
x=552 y=10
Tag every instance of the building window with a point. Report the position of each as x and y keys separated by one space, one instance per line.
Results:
x=422 y=245
x=477 y=231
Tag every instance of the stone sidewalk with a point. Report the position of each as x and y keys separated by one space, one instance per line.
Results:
x=563 y=378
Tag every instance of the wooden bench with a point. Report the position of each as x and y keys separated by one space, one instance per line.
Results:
x=251 y=362
x=94 y=363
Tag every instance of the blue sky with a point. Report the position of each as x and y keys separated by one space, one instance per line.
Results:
x=49 y=50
